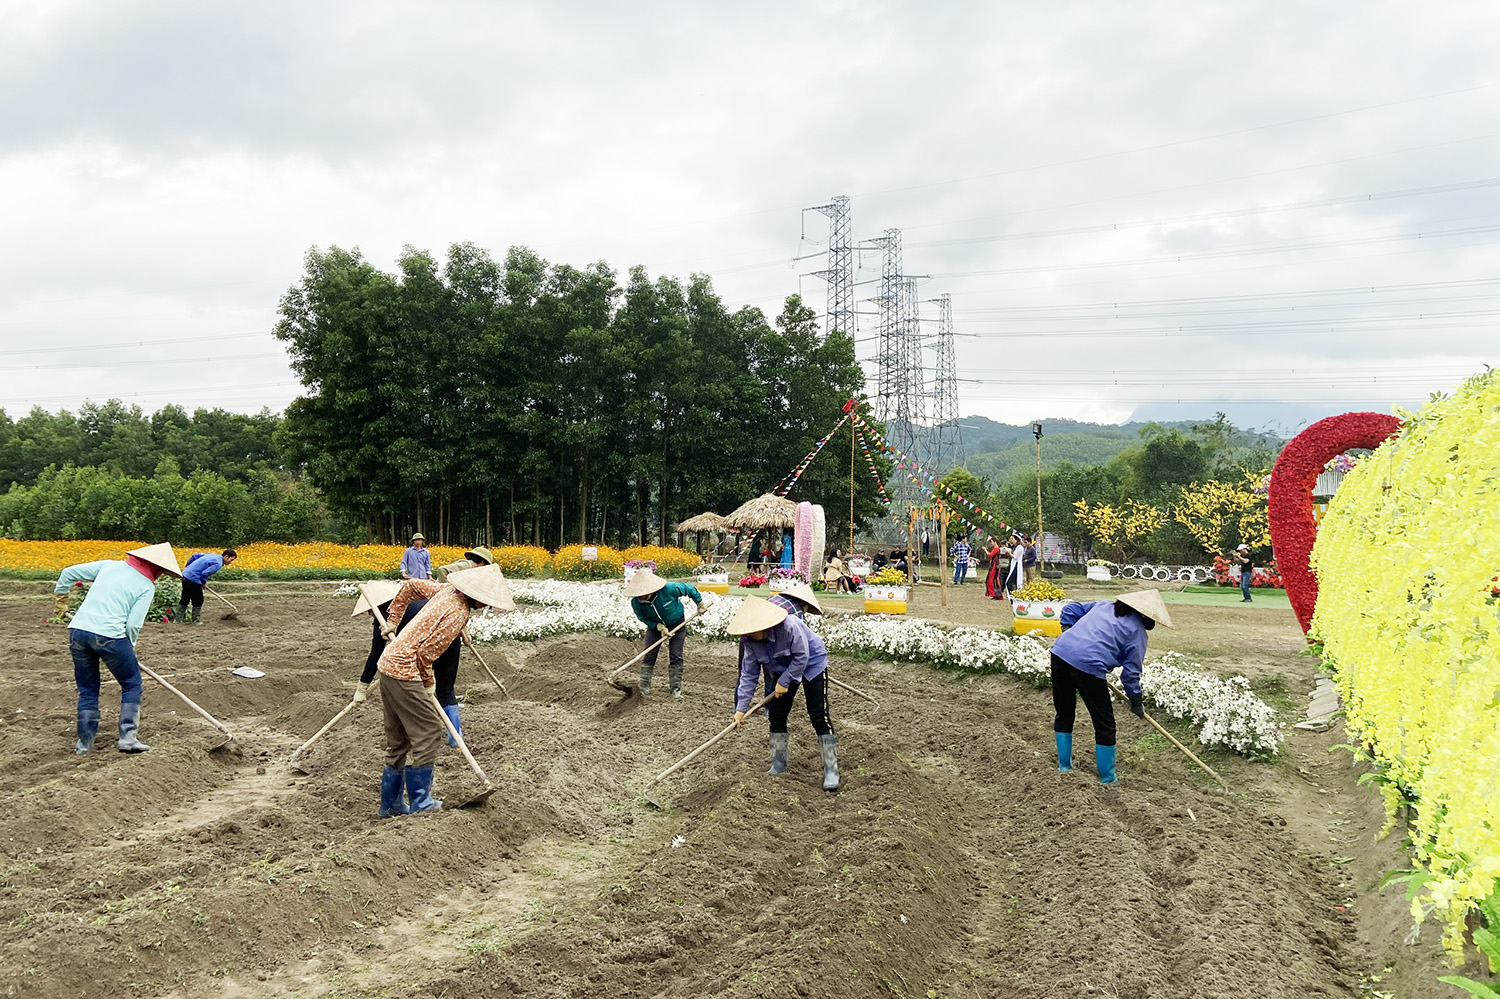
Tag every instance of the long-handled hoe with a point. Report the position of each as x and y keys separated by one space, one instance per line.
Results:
x=1170 y=738
x=453 y=734
x=469 y=641
x=621 y=685
x=234 y=612
x=326 y=728
x=690 y=757
x=228 y=736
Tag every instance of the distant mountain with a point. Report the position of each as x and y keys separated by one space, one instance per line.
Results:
x=997 y=451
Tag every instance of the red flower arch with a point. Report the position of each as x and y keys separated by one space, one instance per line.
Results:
x=1293 y=526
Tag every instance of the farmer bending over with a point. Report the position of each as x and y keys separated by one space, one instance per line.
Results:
x=1099 y=636
x=658 y=605
x=200 y=566
x=105 y=629
x=413 y=717
x=383 y=591
x=785 y=650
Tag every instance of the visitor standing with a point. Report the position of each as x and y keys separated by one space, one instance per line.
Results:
x=788 y=550
x=417 y=562
x=1100 y=636
x=106 y=629
x=1029 y=560
x=994 y=580
x=200 y=566
x=790 y=655
x=926 y=543
x=1013 y=574
x=753 y=561
x=1247 y=571
x=960 y=552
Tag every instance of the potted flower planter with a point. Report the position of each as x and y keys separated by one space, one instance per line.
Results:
x=883 y=598
x=631 y=570
x=1042 y=616
x=779 y=583
x=1098 y=573
x=713 y=582
x=859 y=565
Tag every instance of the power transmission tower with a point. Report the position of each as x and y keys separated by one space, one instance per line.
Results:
x=898 y=366
x=840 y=270
x=945 y=439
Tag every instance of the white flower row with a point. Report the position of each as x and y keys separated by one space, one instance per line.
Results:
x=1224 y=712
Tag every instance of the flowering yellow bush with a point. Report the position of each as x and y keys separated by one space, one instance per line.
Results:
x=521 y=561
x=1040 y=589
x=669 y=561
x=568 y=563
x=1405 y=559
x=55 y=556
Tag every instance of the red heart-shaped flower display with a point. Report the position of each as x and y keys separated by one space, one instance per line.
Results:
x=1290 y=502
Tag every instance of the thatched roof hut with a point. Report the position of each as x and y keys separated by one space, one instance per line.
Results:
x=761 y=513
x=702 y=522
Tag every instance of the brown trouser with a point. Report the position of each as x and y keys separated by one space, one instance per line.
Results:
x=412 y=724
x=1033 y=573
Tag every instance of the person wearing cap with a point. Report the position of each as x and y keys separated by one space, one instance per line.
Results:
x=1100 y=636
x=408 y=694
x=200 y=566
x=1247 y=570
x=473 y=559
x=416 y=563
x=781 y=647
x=658 y=605
x=106 y=629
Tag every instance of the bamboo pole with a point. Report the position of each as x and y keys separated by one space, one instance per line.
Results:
x=942 y=520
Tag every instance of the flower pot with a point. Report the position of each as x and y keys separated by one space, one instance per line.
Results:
x=778 y=583
x=713 y=582
x=1042 y=616
x=881 y=598
x=1098 y=573
x=859 y=565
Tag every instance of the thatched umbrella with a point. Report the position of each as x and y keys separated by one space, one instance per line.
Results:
x=761 y=513
x=699 y=525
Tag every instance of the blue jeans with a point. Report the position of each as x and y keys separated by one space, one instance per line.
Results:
x=118 y=656
x=1245 y=576
x=960 y=571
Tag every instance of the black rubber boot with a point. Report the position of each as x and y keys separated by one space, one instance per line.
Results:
x=830 y=744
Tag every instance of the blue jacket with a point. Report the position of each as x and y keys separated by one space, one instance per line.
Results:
x=791 y=652
x=416 y=564
x=665 y=605
x=116 y=604
x=201 y=565
x=1095 y=641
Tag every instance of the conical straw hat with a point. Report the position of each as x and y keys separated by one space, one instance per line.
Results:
x=801 y=591
x=1149 y=603
x=644 y=583
x=755 y=614
x=478 y=554
x=162 y=556
x=485 y=585
x=381 y=590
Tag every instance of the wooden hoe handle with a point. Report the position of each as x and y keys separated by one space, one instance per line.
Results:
x=690 y=757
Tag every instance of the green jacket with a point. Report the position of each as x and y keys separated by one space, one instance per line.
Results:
x=665 y=605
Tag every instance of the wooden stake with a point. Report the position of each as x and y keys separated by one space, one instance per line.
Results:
x=690 y=757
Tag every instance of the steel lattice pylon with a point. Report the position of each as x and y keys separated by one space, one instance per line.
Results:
x=945 y=439
x=840 y=270
x=898 y=363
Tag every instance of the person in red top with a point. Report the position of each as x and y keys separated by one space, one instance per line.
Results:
x=408 y=689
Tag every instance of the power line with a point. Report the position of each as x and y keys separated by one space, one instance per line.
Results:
x=1358 y=290
x=139 y=343
x=153 y=361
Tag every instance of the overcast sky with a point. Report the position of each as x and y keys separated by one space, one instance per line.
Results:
x=1127 y=202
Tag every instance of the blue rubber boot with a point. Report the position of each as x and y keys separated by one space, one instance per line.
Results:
x=780 y=745
x=392 y=801
x=130 y=723
x=419 y=790
x=1104 y=757
x=88 y=730
x=451 y=710
x=1064 y=752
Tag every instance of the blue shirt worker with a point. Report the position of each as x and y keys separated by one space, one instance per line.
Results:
x=960 y=552
x=200 y=566
x=106 y=629
x=658 y=605
x=417 y=562
x=1100 y=636
x=782 y=648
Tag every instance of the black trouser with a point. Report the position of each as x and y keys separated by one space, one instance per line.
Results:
x=1066 y=682
x=779 y=708
x=192 y=593
x=444 y=671
x=654 y=633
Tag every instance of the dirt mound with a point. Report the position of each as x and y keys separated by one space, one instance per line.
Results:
x=955 y=862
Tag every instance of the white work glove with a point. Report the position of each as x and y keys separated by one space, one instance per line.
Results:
x=361 y=692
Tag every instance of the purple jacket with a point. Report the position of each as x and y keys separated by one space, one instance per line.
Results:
x=791 y=653
x=1097 y=641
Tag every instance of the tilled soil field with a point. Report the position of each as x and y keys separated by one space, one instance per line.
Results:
x=955 y=862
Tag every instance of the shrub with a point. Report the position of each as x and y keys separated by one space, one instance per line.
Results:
x=522 y=561
x=670 y=562
x=568 y=563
